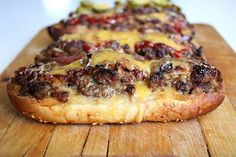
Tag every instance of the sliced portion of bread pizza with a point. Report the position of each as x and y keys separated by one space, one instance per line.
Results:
x=143 y=47
x=144 y=16
x=114 y=87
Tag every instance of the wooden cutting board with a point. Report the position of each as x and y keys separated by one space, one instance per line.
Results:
x=210 y=135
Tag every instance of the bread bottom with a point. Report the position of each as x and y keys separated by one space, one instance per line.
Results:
x=159 y=106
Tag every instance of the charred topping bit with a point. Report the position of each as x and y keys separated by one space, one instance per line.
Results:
x=167 y=68
x=130 y=89
x=117 y=64
x=62 y=96
x=74 y=46
x=32 y=81
x=157 y=79
x=179 y=68
x=205 y=78
x=127 y=49
x=37 y=89
x=198 y=51
x=143 y=48
x=104 y=76
x=183 y=87
x=153 y=51
x=162 y=50
x=202 y=73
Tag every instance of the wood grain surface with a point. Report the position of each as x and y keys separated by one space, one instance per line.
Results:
x=210 y=135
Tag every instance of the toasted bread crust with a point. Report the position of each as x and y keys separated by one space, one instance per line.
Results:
x=157 y=108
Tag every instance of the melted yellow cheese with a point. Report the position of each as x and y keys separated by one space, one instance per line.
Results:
x=107 y=56
x=126 y=37
x=130 y=37
x=140 y=96
x=61 y=70
x=141 y=90
x=161 y=38
x=112 y=56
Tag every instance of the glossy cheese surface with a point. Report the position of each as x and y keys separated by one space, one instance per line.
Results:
x=125 y=37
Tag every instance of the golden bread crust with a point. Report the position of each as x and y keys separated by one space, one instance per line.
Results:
x=157 y=107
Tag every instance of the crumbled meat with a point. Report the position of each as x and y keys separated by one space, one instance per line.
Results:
x=166 y=68
x=126 y=49
x=62 y=52
x=101 y=80
x=138 y=74
x=183 y=87
x=179 y=68
x=37 y=89
x=117 y=64
x=79 y=77
x=143 y=47
x=130 y=89
x=198 y=52
x=61 y=96
x=74 y=47
x=104 y=76
x=203 y=78
x=161 y=50
x=202 y=73
x=126 y=78
x=157 y=79
x=152 y=51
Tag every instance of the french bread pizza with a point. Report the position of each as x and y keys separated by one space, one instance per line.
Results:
x=129 y=63
x=109 y=86
x=144 y=16
x=142 y=47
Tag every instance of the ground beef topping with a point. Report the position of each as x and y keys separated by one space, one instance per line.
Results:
x=104 y=80
x=149 y=51
x=157 y=78
x=62 y=96
x=202 y=73
x=201 y=77
x=98 y=81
